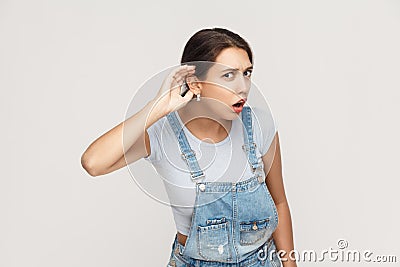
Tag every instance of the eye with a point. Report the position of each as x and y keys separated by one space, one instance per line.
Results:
x=249 y=72
x=225 y=75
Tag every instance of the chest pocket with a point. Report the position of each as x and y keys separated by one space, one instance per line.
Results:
x=214 y=239
x=254 y=231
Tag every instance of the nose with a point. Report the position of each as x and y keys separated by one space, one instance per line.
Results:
x=243 y=88
x=243 y=92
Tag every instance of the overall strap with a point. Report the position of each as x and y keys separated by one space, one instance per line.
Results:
x=249 y=146
x=187 y=153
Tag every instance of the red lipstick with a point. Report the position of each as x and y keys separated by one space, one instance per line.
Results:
x=238 y=106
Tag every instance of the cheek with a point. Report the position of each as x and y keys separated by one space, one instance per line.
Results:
x=219 y=93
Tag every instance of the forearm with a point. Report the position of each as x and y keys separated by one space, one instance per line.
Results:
x=109 y=148
x=283 y=235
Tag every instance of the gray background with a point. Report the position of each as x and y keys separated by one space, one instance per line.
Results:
x=68 y=69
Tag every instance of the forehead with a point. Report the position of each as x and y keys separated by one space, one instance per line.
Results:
x=233 y=57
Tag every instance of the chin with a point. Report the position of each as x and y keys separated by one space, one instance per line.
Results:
x=229 y=115
x=223 y=111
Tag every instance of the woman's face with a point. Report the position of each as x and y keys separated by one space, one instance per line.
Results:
x=227 y=82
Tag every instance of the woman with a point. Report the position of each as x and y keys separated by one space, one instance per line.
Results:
x=232 y=221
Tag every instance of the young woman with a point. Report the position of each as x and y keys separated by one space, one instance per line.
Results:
x=222 y=168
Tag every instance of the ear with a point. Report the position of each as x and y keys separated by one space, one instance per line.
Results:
x=194 y=84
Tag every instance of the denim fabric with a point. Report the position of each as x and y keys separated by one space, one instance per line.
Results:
x=232 y=222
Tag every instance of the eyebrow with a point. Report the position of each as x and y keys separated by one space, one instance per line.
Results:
x=248 y=68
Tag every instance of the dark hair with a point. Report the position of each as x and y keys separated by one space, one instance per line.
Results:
x=206 y=44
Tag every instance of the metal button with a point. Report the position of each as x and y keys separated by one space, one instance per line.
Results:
x=255 y=226
x=202 y=187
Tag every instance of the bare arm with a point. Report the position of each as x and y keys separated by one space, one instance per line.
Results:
x=283 y=234
x=106 y=153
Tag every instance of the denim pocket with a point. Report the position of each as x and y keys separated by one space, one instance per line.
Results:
x=253 y=231
x=176 y=261
x=213 y=240
x=272 y=205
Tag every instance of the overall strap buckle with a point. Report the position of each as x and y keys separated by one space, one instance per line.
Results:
x=259 y=172
x=190 y=154
x=250 y=147
x=196 y=175
x=247 y=147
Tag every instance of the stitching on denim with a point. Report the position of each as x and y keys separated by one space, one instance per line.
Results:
x=271 y=200
x=226 y=227
x=263 y=231
x=266 y=221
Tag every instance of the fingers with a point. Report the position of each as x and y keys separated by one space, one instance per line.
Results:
x=180 y=79
x=182 y=69
x=179 y=73
x=188 y=96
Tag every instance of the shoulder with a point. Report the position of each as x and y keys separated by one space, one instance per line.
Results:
x=264 y=126
x=156 y=137
x=261 y=112
x=263 y=118
x=158 y=126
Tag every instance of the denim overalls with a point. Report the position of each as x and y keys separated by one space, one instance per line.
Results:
x=232 y=222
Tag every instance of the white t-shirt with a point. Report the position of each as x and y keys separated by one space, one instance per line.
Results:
x=222 y=161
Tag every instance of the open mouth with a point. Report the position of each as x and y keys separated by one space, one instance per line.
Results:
x=238 y=106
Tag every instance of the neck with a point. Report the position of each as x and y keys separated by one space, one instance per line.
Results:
x=203 y=123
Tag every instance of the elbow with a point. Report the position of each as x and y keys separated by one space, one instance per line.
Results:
x=89 y=166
